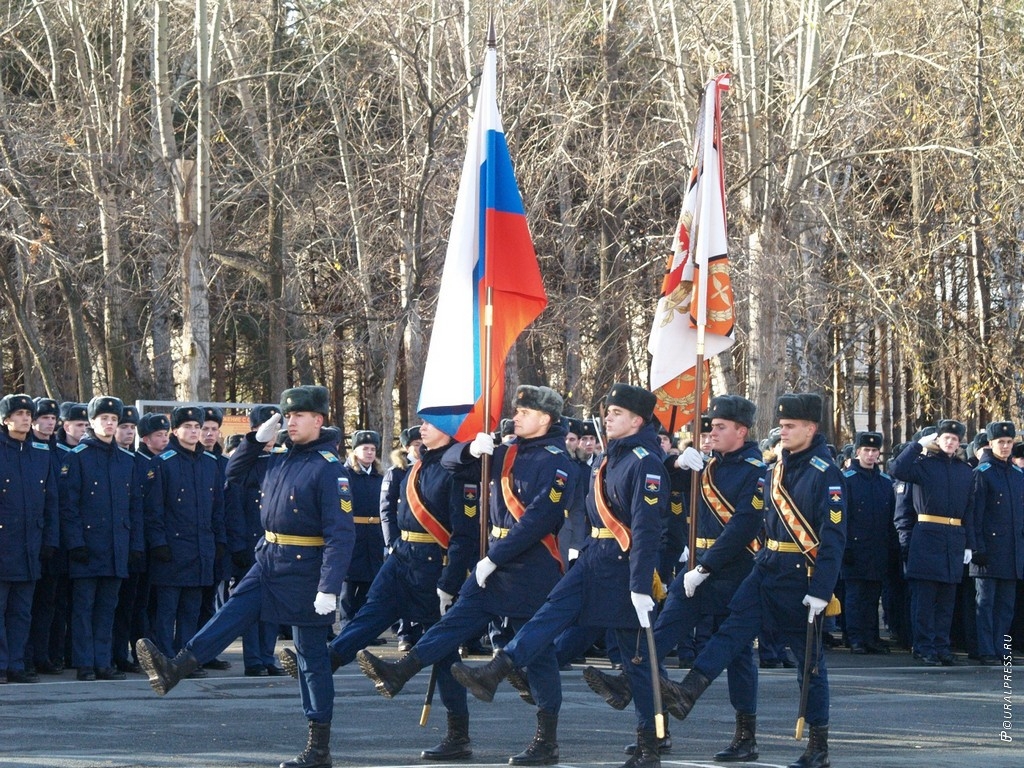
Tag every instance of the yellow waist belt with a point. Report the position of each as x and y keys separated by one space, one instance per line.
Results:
x=418 y=538
x=293 y=541
x=705 y=543
x=937 y=519
x=602 y=533
x=783 y=546
x=499 y=533
x=366 y=520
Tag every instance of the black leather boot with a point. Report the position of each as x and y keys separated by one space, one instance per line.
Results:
x=317 y=753
x=816 y=754
x=679 y=698
x=483 y=681
x=290 y=662
x=646 y=754
x=615 y=689
x=543 y=750
x=664 y=745
x=455 y=745
x=164 y=673
x=389 y=677
x=517 y=679
x=744 y=747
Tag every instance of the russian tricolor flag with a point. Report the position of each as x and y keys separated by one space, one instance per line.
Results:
x=489 y=247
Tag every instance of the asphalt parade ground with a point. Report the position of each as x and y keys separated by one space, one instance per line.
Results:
x=887 y=711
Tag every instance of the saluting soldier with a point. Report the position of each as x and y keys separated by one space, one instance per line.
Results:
x=300 y=562
x=438 y=540
x=530 y=478
x=871 y=503
x=997 y=561
x=368 y=555
x=184 y=525
x=611 y=585
x=28 y=529
x=730 y=514
x=101 y=528
x=938 y=534
x=794 y=574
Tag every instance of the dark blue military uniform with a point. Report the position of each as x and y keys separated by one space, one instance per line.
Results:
x=28 y=522
x=244 y=530
x=871 y=504
x=724 y=551
x=775 y=588
x=184 y=512
x=406 y=585
x=101 y=511
x=942 y=490
x=999 y=544
x=542 y=476
x=596 y=592
x=368 y=553
x=305 y=501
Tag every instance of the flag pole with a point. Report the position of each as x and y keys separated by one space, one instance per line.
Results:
x=485 y=459
x=698 y=399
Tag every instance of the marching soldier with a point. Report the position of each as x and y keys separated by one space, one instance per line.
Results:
x=612 y=583
x=28 y=518
x=939 y=535
x=730 y=513
x=184 y=525
x=435 y=548
x=794 y=574
x=101 y=528
x=368 y=554
x=529 y=481
x=871 y=503
x=997 y=561
x=301 y=562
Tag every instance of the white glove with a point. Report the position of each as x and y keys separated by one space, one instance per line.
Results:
x=446 y=600
x=815 y=605
x=967 y=556
x=690 y=458
x=643 y=605
x=573 y=554
x=325 y=604
x=484 y=569
x=692 y=580
x=927 y=441
x=482 y=443
x=686 y=554
x=268 y=429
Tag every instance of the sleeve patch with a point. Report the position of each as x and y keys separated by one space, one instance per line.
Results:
x=835 y=493
x=470 y=492
x=652 y=483
x=836 y=516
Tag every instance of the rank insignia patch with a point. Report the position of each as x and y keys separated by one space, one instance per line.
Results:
x=835 y=493
x=836 y=516
x=651 y=501
x=652 y=483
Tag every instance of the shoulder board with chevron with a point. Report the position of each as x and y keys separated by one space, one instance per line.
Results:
x=554 y=449
x=849 y=473
x=331 y=457
x=819 y=463
x=79 y=448
x=168 y=454
x=984 y=467
x=640 y=451
x=756 y=462
x=40 y=446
